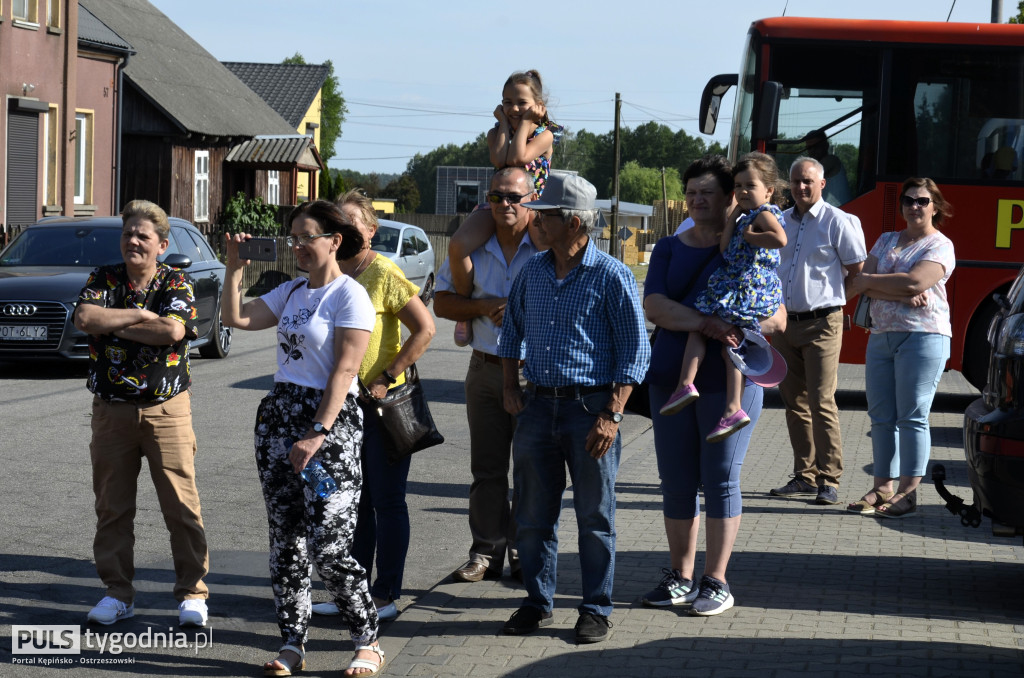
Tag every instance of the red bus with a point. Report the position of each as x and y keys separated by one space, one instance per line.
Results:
x=897 y=99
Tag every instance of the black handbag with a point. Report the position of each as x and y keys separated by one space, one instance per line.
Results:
x=405 y=418
x=862 y=312
x=639 y=401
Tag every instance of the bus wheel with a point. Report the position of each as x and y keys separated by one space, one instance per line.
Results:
x=976 y=346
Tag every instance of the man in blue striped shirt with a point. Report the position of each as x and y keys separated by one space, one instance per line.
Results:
x=579 y=313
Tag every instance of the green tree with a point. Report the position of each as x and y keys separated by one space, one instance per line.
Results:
x=332 y=108
x=332 y=184
x=251 y=216
x=643 y=184
x=1019 y=19
x=404 y=191
x=423 y=167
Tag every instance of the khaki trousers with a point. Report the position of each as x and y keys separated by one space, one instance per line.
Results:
x=122 y=434
x=811 y=349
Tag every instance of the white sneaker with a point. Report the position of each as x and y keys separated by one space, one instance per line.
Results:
x=326 y=609
x=192 y=612
x=110 y=610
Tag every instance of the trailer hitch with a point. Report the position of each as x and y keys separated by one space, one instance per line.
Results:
x=970 y=516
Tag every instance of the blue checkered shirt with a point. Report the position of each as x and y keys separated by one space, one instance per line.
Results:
x=585 y=330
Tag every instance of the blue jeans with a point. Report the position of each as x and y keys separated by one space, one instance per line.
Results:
x=551 y=434
x=902 y=371
x=383 y=524
x=687 y=462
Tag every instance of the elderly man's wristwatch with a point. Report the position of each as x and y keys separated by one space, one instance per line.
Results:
x=614 y=416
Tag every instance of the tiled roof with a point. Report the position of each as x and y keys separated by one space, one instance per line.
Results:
x=289 y=88
x=92 y=31
x=181 y=78
x=278 y=151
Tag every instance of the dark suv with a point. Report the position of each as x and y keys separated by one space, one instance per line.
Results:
x=46 y=265
x=994 y=426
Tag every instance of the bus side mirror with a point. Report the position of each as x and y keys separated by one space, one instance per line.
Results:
x=766 y=125
x=711 y=100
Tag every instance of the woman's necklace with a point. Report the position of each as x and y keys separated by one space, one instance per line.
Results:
x=906 y=240
x=359 y=267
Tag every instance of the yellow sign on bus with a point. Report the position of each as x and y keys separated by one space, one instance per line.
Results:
x=1010 y=217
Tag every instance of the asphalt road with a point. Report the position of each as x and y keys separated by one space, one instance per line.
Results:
x=46 y=570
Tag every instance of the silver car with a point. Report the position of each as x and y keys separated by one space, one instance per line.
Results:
x=409 y=247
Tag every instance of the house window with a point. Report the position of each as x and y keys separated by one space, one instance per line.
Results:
x=201 y=187
x=83 y=158
x=51 y=123
x=273 y=187
x=25 y=10
x=53 y=13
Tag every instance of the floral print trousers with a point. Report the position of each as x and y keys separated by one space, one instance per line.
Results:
x=304 y=527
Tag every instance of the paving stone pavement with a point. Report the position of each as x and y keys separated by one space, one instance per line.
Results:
x=819 y=591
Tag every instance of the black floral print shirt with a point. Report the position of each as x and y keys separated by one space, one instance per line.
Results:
x=123 y=370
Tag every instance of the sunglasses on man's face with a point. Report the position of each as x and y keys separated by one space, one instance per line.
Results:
x=512 y=198
x=907 y=201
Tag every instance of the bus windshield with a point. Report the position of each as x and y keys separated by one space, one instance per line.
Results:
x=948 y=112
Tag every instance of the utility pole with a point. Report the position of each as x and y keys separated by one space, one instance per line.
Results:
x=613 y=245
x=997 y=11
x=664 y=198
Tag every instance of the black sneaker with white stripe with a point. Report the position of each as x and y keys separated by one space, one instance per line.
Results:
x=714 y=598
x=673 y=590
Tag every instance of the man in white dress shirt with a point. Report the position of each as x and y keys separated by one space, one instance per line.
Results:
x=825 y=244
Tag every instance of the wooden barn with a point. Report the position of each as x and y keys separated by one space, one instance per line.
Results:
x=183 y=113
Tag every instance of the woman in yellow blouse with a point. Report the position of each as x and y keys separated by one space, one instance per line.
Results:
x=383 y=524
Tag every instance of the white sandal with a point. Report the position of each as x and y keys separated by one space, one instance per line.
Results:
x=366 y=664
x=288 y=669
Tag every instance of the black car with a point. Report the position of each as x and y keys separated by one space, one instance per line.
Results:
x=46 y=265
x=994 y=427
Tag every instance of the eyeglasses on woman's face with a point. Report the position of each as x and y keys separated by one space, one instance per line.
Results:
x=303 y=240
x=907 y=201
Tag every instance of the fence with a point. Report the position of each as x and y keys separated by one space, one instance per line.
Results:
x=259 y=274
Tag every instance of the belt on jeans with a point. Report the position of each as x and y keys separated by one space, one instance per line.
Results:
x=815 y=314
x=566 y=392
x=493 y=359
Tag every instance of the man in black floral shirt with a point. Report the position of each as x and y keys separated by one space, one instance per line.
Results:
x=140 y=316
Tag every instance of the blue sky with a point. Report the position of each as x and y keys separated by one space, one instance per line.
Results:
x=418 y=74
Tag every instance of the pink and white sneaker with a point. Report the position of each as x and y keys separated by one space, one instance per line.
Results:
x=727 y=426
x=679 y=400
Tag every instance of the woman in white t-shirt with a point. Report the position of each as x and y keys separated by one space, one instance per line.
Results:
x=311 y=416
x=905 y=275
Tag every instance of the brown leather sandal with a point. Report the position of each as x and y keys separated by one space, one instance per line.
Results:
x=866 y=508
x=902 y=507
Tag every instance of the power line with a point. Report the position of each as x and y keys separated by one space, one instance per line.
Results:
x=418 y=110
x=382 y=143
x=393 y=157
x=420 y=129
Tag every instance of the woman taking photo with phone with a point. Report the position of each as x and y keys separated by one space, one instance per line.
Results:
x=310 y=419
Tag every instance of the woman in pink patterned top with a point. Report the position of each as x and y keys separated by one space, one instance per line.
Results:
x=905 y=276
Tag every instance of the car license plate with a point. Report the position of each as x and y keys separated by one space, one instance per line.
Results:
x=23 y=332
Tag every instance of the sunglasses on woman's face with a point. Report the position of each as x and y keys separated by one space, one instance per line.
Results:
x=512 y=198
x=907 y=201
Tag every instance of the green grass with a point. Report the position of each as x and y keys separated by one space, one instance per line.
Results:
x=639 y=272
